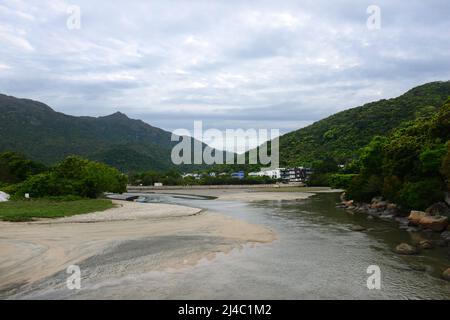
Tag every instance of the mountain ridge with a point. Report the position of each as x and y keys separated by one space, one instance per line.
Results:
x=38 y=131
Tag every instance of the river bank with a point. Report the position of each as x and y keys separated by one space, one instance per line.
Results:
x=34 y=251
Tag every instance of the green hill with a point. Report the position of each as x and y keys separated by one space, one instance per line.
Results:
x=341 y=135
x=44 y=135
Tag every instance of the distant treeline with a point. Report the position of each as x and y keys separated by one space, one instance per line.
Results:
x=175 y=178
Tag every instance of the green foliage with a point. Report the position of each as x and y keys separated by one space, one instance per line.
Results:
x=420 y=194
x=15 y=167
x=341 y=135
x=445 y=166
x=410 y=166
x=73 y=176
x=341 y=180
x=319 y=179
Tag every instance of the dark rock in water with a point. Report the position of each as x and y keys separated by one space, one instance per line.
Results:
x=404 y=248
x=357 y=228
x=426 y=244
x=446 y=274
x=438 y=209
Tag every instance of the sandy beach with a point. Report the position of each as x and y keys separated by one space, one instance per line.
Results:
x=159 y=235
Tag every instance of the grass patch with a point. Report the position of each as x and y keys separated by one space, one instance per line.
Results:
x=26 y=210
x=291 y=189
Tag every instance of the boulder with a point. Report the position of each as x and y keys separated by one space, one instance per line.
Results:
x=357 y=228
x=348 y=203
x=445 y=235
x=415 y=217
x=392 y=207
x=435 y=223
x=404 y=248
x=438 y=209
x=426 y=244
x=446 y=274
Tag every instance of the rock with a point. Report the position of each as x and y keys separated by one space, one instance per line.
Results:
x=445 y=235
x=348 y=203
x=435 y=223
x=438 y=209
x=446 y=274
x=392 y=207
x=342 y=196
x=386 y=216
x=381 y=205
x=404 y=248
x=415 y=217
x=357 y=228
x=426 y=244
x=376 y=199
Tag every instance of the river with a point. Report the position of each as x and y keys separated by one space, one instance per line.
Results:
x=316 y=256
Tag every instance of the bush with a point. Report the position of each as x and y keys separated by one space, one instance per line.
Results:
x=319 y=180
x=419 y=195
x=364 y=189
x=341 y=181
x=73 y=176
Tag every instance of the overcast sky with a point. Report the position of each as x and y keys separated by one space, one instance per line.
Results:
x=233 y=64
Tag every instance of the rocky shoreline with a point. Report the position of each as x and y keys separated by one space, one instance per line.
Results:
x=434 y=221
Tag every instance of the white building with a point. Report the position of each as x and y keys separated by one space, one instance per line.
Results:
x=272 y=173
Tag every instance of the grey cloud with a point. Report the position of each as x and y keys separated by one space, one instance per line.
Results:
x=228 y=63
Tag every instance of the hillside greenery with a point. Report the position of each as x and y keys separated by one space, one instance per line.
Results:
x=410 y=166
x=340 y=136
x=34 y=129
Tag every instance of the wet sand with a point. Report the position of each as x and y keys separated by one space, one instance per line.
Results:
x=246 y=194
x=132 y=238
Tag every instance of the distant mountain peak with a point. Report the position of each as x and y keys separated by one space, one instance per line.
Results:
x=116 y=115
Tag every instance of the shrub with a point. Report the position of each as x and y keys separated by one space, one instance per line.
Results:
x=421 y=194
x=342 y=181
x=73 y=176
